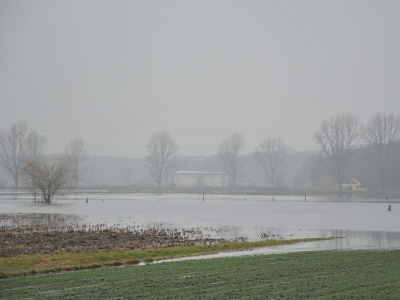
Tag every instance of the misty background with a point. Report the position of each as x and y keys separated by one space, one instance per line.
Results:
x=114 y=72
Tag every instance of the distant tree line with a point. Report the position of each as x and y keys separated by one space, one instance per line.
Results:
x=347 y=148
x=342 y=139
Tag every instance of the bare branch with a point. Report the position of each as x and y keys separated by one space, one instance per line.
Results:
x=36 y=145
x=14 y=148
x=162 y=155
x=270 y=155
x=51 y=175
x=230 y=156
x=382 y=137
x=77 y=155
x=338 y=139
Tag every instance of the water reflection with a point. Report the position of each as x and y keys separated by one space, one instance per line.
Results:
x=39 y=219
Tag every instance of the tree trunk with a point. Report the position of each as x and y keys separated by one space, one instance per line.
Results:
x=46 y=198
x=340 y=181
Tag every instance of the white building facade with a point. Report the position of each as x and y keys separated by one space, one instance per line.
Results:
x=201 y=179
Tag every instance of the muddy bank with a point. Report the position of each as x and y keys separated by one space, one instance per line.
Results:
x=34 y=233
x=41 y=239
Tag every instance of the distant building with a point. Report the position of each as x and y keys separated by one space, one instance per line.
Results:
x=251 y=183
x=201 y=179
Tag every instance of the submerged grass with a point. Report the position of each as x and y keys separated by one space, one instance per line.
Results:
x=64 y=261
x=357 y=274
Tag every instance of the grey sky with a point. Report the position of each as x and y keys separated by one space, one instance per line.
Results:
x=112 y=72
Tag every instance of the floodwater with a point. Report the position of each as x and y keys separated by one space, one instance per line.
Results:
x=360 y=224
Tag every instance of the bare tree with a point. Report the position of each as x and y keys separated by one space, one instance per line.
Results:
x=77 y=155
x=14 y=148
x=162 y=155
x=270 y=155
x=36 y=145
x=50 y=174
x=230 y=155
x=338 y=139
x=382 y=137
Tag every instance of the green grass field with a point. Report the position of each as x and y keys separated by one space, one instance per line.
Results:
x=306 y=275
x=67 y=261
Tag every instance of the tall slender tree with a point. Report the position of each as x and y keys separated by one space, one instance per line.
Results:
x=77 y=155
x=37 y=145
x=163 y=155
x=382 y=143
x=14 y=148
x=338 y=138
x=230 y=156
x=270 y=155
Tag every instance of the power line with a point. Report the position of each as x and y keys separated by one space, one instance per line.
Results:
x=180 y=146
x=177 y=132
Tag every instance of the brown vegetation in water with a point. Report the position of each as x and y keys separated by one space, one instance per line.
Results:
x=45 y=238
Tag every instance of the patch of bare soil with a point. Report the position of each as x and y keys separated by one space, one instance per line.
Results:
x=29 y=240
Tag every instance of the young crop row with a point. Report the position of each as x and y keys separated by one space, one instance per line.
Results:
x=328 y=275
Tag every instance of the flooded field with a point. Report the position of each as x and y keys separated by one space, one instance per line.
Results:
x=359 y=223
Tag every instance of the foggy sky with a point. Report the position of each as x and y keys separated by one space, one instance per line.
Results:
x=112 y=72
